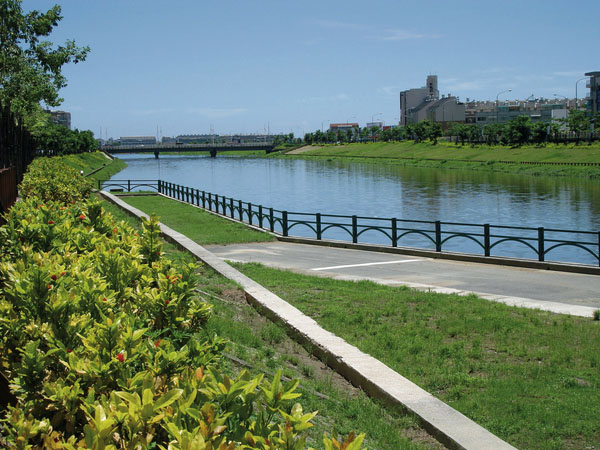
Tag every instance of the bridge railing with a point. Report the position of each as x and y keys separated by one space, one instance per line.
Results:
x=481 y=239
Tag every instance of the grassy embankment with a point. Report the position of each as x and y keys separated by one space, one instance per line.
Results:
x=261 y=346
x=481 y=157
x=530 y=377
x=89 y=162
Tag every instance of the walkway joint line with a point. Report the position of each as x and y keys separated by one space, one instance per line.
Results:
x=367 y=264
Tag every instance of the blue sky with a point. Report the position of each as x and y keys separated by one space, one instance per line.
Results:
x=294 y=66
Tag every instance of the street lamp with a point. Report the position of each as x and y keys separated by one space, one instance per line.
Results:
x=502 y=92
x=576 y=106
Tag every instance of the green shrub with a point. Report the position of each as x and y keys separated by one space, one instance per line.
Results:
x=103 y=339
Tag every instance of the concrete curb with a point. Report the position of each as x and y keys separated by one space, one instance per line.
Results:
x=449 y=426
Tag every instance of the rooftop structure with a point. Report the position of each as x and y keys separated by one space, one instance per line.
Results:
x=137 y=140
x=60 y=117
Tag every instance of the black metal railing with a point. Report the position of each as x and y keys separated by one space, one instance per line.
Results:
x=432 y=234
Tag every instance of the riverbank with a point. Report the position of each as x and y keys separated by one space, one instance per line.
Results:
x=466 y=351
x=551 y=160
x=96 y=165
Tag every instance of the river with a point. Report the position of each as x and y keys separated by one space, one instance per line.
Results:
x=384 y=190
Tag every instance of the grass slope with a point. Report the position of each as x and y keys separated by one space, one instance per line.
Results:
x=200 y=226
x=88 y=162
x=481 y=157
x=530 y=377
x=261 y=346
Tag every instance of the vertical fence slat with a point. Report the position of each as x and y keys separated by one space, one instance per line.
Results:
x=394 y=232
x=285 y=223
x=541 y=250
x=250 y=213
x=486 y=239
x=271 y=220
x=260 y=216
x=354 y=230
x=438 y=236
x=318 y=220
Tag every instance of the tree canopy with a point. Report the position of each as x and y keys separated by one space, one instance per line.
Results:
x=30 y=66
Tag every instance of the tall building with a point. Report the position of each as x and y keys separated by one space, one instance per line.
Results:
x=413 y=99
x=594 y=85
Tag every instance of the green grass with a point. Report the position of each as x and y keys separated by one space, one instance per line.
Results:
x=481 y=157
x=89 y=162
x=260 y=346
x=530 y=377
x=200 y=226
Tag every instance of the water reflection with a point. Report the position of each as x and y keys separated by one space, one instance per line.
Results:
x=380 y=190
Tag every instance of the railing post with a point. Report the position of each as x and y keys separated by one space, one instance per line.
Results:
x=318 y=220
x=438 y=236
x=217 y=203
x=394 y=232
x=284 y=215
x=231 y=207
x=240 y=211
x=271 y=220
x=260 y=216
x=128 y=185
x=159 y=187
x=203 y=199
x=541 y=250
x=197 y=197
x=187 y=191
x=486 y=239
x=250 y=213
x=354 y=230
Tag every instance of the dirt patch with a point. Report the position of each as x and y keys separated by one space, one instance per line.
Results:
x=304 y=149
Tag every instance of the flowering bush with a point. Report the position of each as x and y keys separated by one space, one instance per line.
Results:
x=103 y=343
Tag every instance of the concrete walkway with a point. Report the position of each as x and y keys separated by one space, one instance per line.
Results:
x=449 y=426
x=558 y=292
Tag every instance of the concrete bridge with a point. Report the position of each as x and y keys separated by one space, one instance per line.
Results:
x=182 y=148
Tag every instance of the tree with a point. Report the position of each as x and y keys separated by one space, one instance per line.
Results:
x=30 y=68
x=577 y=123
x=434 y=132
x=539 y=132
x=519 y=130
x=475 y=134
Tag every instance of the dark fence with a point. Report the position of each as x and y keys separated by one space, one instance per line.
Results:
x=16 y=152
x=436 y=235
x=8 y=189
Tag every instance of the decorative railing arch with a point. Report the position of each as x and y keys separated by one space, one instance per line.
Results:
x=486 y=237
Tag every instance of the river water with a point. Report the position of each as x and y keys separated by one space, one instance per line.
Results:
x=383 y=190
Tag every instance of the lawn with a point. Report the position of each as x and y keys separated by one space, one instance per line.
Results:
x=200 y=226
x=530 y=377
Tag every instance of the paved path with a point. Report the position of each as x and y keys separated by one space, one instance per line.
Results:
x=561 y=292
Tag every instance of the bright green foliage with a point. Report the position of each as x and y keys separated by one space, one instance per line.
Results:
x=103 y=341
x=49 y=179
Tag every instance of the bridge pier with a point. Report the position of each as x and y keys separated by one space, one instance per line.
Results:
x=155 y=154
x=213 y=152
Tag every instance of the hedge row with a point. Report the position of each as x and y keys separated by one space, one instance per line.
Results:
x=103 y=344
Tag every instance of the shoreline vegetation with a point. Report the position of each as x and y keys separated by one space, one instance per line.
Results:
x=551 y=160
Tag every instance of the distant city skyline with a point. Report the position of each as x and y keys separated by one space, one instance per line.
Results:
x=188 y=67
